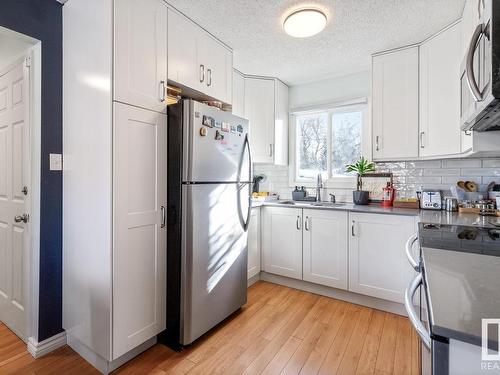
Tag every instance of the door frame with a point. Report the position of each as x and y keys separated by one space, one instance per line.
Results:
x=32 y=165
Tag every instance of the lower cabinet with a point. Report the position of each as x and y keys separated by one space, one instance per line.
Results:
x=282 y=241
x=325 y=244
x=377 y=262
x=360 y=252
x=254 y=243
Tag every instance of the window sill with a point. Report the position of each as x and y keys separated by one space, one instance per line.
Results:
x=332 y=183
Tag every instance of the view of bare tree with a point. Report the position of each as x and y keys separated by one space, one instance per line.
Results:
x=312 y=142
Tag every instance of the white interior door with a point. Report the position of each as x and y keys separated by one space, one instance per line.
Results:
x=14 y=172
x=139 y=248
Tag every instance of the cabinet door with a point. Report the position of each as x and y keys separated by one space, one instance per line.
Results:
x=377 y=263
x=218 y=63
x=325 y=247
x=259 y=110
x=395 y=104
x=254 y=243
x=238 y=94
x=281 y=123
x=440 y=94
x=183 y=65
x=282 y=241
x=140 y=53
x=139 y=250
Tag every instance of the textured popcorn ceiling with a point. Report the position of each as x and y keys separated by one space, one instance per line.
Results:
x=355 y=30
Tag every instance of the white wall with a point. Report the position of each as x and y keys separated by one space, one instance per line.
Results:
x=12 y=47
x=331 y=90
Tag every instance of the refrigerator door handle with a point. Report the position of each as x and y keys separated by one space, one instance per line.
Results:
x=245 y=223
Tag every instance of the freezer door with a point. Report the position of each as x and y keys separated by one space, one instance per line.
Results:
x=214 y=145
x=214 y=252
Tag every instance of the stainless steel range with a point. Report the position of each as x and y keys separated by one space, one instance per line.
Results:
x=456 y=287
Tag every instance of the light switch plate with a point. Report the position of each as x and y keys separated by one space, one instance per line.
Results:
x=55 y=162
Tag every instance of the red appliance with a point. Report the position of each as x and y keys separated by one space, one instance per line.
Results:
x=388 y=195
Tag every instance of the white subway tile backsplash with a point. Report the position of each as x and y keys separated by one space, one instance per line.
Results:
x=481 y=172
x=491 y=163
x=442 y=172
x=408 y=176
x=424 y=164
x=462 y=163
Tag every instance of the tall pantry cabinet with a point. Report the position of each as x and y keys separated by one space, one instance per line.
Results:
x=114 y=180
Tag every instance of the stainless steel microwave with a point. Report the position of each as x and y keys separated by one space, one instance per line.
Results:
x=480 y=73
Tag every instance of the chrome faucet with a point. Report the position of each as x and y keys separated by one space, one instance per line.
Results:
x=319 y=186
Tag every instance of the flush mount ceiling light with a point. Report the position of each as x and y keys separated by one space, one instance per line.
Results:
x=304 y=23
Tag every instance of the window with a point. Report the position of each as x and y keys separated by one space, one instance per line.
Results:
x=326 y=141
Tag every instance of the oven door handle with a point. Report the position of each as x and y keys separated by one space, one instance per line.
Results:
x=425 y=335
x=409 y=254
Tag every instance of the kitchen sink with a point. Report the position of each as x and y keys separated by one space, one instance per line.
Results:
x=327 y=204
x=314 y=204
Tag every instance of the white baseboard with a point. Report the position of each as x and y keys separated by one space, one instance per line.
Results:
x=39 y=349
x=252 y=280
x=102 y=365
x=344 y=295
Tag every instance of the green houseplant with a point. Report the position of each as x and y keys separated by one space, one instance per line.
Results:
x=361 y=167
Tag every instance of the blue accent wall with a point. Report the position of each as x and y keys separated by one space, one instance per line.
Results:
x=42 y=19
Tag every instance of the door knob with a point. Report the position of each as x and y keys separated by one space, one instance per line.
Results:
x=22 y=218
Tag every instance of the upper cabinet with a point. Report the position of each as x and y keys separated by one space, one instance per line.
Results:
x=140 y=53
x=197 y=61
x=395 y=104
x=266 y=108
x=238 y=94
x=440 y=94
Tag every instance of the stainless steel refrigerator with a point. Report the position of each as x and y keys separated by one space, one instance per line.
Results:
x=209 y=203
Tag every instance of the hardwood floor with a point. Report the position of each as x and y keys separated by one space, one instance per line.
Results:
x=279 y=331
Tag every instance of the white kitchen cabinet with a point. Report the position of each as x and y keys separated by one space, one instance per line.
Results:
x=325 y=247
x=254 y=243
x=282 y=241
x=266 y=108
x=197 y=61
x=114 y=184
x=395 y=104
x=238 y=94
x=377 y=262
x=183 y=38
x=139 y=249
x=439 y=117
x=140 y=53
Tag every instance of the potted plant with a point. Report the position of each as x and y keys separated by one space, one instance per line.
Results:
x=361 y=167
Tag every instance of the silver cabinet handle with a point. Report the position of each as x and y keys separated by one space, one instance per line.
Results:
x=202 y=72
x=306 y=223
x=409 y=245
x=422 y=135
x=163 y=91
x=163 y=217
x=271 y=150
x=412 y=313
x=352 y=228
x=377 y=145
x=469 y=68
x=24 y=218
x=298 y=222
x=209 y=78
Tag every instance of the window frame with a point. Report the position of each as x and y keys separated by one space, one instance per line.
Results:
x=333 y=181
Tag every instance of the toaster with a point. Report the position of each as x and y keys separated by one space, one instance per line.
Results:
x=431 y=200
